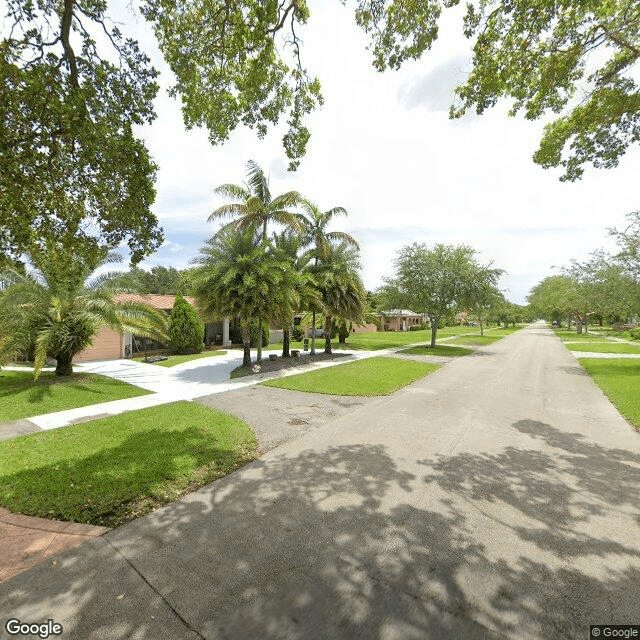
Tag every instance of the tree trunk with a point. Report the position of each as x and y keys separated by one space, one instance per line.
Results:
x=434 y=331
x=246 y=343
x=313 y=333
x=584 y=322
x=569 y=324
x=328 y=327
x=481 y=330
x=259 y=356
x=285 y=343
x=63 y=364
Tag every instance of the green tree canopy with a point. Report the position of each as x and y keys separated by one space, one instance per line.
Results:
x=437 y=281
x=71 y=167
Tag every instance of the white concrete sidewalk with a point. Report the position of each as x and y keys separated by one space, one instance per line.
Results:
x=201 y=377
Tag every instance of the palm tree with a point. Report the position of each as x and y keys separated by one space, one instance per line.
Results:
x=288 y=246
x=57 y=307
x=240 y=276
x=341 y=290
x=254 y=207
x=321 y=240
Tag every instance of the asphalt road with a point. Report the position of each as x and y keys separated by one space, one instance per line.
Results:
x=496 y=498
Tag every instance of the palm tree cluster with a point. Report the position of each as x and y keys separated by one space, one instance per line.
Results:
x=247 y=274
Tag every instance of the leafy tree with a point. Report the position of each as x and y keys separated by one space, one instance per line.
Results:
x=57 y=308
x=321 y=240
x=484 y=293
x=254 y=207
x=159 y=280
x=629 y=244
x=186 y=329
x=240 y=277
x=71 y=168
x=437 y=281
x=553 y=298
x=539 y=54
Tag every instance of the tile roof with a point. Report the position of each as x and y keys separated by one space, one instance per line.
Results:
x=152 y=299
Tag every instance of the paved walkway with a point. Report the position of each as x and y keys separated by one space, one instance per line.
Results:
x=27 y=541
x=497 y=498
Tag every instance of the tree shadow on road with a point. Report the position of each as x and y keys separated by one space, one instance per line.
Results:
x=344 y=543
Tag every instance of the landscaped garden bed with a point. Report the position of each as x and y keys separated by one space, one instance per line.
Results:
x=267 y=365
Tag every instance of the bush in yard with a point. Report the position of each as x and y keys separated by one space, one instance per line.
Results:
x=186 y=330
x=634 y=334
x=254 y=334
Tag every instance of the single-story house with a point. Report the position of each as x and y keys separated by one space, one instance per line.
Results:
x=400 y=319
x=111 y=345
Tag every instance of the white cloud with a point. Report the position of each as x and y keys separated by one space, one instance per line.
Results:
x=383 y=147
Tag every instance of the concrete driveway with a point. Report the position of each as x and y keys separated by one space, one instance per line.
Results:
x=497 y=498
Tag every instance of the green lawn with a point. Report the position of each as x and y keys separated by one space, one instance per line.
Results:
x=439 y=350
x=370 y=377
x=620 y=380
x=604 y=347
x=476 y=341
x=172 y=361
x=21 y=396
x=572 y=335
x=108 y=471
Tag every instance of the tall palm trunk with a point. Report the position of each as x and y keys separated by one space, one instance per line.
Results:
x=313 y=333
x=328 y=329
x=285 y=342
x=246 y=344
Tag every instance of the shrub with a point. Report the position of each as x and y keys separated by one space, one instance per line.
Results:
x=186 y=330
x=634 y=334
x=296 y=334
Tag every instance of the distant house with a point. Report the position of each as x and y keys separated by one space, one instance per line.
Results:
x=111 y=345
x=400 y=319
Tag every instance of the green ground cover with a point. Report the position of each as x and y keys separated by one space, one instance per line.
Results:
x=438 y=350
x=604 y=347
x=172 y=361
x=619 y=379
x=370 y=377
x=112 y=470
x=21 y=396
x=476 y=341
x=573 y=336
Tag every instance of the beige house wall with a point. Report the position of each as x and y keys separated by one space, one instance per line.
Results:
x=107 y=345
x=364 y=328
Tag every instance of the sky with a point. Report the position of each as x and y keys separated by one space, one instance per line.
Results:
x=382 y=146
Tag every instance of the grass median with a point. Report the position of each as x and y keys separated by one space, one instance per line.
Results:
x=603 y=347
x=112 y=470
x=21 y=396
x=619 y=379
x=438 y=350
x=370 y=377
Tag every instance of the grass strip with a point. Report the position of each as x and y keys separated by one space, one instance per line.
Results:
x=370 y=377
x=619 y=379
x=438 y=350
x=21 y=396
x=606 y=347
x=112 y=470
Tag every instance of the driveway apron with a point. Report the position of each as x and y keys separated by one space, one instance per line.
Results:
x=497 y=498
